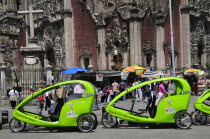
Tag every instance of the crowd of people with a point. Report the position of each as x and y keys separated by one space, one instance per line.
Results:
x=141 y=94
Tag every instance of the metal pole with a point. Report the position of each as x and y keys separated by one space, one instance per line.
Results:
x=172 y=39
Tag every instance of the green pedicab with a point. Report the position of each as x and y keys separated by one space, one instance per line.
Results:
x=72 y=109
x=171 y=109
x=202 y=109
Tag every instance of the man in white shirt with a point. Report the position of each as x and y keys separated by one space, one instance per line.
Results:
x=13 y=97
x=78 y=90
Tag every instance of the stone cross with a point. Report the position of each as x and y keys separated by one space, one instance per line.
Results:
x=31 y=19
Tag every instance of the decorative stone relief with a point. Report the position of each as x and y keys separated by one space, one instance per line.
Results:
x=208 y=41
x=53 y=38
x=117 y=37
x=50 y=10
x=196 y=36
x=149 y=50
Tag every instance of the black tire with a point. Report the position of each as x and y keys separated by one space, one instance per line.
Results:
x=108 y=120
x=198 y=117
x=94 y=117
x=16 y=125
x=183 y=120
x=85 y=123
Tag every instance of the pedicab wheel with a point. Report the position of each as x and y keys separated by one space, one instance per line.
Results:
x=93 y=116
x=198 y=117
x=108 y=120
x=85 y=123
x=183 y=120
x=16 y=125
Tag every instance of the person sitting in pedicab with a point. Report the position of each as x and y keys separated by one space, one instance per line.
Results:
x=161 y=92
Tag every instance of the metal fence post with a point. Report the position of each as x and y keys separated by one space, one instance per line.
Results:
x=3 y=80
x=49 y=74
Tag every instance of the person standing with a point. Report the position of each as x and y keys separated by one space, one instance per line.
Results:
x=13 y=97
x=122 y=87
x=48 y=97
x=139 y=95
x=115 y=88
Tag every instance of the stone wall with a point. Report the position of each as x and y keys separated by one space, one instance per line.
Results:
x=176 y=35
x=85 y=35
x=148 y=38
x=21 y=42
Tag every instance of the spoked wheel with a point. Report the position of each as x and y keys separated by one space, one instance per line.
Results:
x=93 y=116
x=198 y=117
x=85 y=123
x=108 y=120
x=16 y=125
x=183 y=120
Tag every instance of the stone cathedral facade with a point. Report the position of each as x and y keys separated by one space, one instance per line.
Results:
x=108 y=34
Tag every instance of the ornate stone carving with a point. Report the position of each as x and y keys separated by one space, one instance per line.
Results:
x=149 y=54
x=52 y=10
x=53 y=38
x=198 y=33
x=117 y=38
x=208 y=41
x=197 y=8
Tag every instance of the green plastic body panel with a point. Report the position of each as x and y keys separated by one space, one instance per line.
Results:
x=199 y=103
x=79 y=106
x=167 y=108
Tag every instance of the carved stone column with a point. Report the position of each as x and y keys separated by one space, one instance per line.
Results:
x=159 y=21
x=3 y=80
x=102 y=49
x=69 y=34
x=2 y=51
x=135 y=37
x=185 y=38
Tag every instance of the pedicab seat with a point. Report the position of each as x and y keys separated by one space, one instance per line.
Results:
x=55 y=110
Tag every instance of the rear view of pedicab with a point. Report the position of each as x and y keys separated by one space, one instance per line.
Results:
x=202 y=108
x=75 y=101
x=171 y=109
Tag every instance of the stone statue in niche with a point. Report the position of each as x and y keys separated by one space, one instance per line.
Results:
x=194 y=53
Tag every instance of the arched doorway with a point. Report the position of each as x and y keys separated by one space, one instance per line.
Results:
x=118 y=60
x=148 y=59
x=86 y=62
x=51 y=57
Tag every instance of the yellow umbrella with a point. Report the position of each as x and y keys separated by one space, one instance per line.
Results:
x=191 y=70
x=139 y=70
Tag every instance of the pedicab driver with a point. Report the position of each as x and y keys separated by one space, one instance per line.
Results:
x=79 y=90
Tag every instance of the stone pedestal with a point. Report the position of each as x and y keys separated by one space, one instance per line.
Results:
x=33 y=61
x=33 y=55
